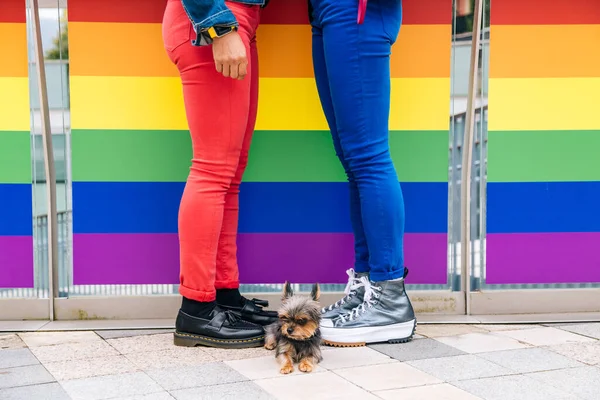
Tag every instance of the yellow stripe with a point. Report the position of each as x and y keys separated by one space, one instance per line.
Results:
x=285 y=103
x=544 y=104
x=14 y=104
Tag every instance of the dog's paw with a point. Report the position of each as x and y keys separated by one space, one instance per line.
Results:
x=270 y=346
x=305 y=366
x=287 y=369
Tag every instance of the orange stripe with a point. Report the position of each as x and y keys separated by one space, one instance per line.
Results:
x=544 y=51
x=13 y=42
x=116 y=49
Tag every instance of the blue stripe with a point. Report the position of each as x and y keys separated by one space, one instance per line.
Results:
x=16 y=216
x=536 y=207
x=152 y=207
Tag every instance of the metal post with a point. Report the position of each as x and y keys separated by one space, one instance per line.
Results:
x=467 y=159
x=48 y=161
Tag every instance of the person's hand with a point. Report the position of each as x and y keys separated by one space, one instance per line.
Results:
x=230 y=56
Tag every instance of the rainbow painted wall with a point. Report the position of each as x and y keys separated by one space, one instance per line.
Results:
x=543 y=211
x=16 y=241
x=131 y=149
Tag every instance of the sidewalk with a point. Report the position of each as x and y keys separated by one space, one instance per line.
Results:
x=449 y=362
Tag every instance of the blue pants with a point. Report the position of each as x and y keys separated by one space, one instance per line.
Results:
x=352 y=71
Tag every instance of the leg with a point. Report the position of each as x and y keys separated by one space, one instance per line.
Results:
x=227 y=280
x=355 y=289
x=285 y=363
x=361 y=250
x=307 y=364
x=217 y=138
x=358 y=65
x=227 y=276
x=217 y=110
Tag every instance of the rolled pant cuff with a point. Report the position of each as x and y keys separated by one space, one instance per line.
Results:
x=386 y=276
x=197 y=295
x=227 y=284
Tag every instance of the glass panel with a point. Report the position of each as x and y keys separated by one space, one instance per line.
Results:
x=462 y=43
x=17 y=278
x=110 y=131
x=55 y=46
x=540 y=229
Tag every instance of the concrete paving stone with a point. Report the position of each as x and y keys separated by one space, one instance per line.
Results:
x=24 y=376
x=481 y=342
x=545 y=336
x=11 y=341
x=440 y=330
x=73 y=351
x=236 y=354
x=150 y=396
x=89 y=367
x=587 y=353
x=314 y=386
x=514 y=387
x=442 y=391
x=417 y=350
x=583 y=382
x=35 y=339
x=174 y=357
x=590 y=329
x=46 y=391
x=142 y=344
x=508 y=327
x=17 y=358
x=197 y=376
x=115 y=334
x=530 y=360
x=386 y=376
x=263 y=367
x=111 y=386
x=228 y=391
x=353 y=357
x=460 y=368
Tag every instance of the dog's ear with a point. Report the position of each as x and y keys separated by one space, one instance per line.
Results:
x=287 y=291
x=315 y=293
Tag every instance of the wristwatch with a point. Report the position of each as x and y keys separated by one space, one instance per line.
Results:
x=206 y=37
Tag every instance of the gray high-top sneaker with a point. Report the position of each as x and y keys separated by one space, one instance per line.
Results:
x=385 y=315
x=354 y=291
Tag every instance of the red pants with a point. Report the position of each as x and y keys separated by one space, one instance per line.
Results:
x=221 y=114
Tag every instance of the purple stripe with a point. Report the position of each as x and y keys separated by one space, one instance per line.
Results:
x=264 y=258
x=515 y=258
x=16 y=262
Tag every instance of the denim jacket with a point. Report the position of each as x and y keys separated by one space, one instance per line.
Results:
x=206 y=14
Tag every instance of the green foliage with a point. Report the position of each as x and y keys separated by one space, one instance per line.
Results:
x=60 y=49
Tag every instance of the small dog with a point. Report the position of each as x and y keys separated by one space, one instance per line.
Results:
x=296 y=336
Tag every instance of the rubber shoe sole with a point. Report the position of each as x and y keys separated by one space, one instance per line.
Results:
x=192 y=340
x=355 y=337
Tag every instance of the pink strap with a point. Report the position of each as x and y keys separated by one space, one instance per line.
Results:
x=362 y=10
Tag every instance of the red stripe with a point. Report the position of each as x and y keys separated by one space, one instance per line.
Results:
x=12 y=11
x=545 y=12
x=415 y=12
x=138 y=11
x=278 y=12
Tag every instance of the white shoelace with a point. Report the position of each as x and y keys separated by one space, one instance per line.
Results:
x=353 y=283
x=372 y=293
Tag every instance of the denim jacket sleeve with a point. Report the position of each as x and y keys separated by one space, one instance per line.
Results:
x=205 y=14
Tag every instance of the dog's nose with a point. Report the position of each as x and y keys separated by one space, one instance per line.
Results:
x=290 y=330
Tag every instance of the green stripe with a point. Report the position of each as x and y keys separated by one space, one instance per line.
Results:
x=15 y=157
x=543 y=156
x=286 y=156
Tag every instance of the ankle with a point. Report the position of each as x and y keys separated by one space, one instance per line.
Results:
x=229 y=297
x=200 y=309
